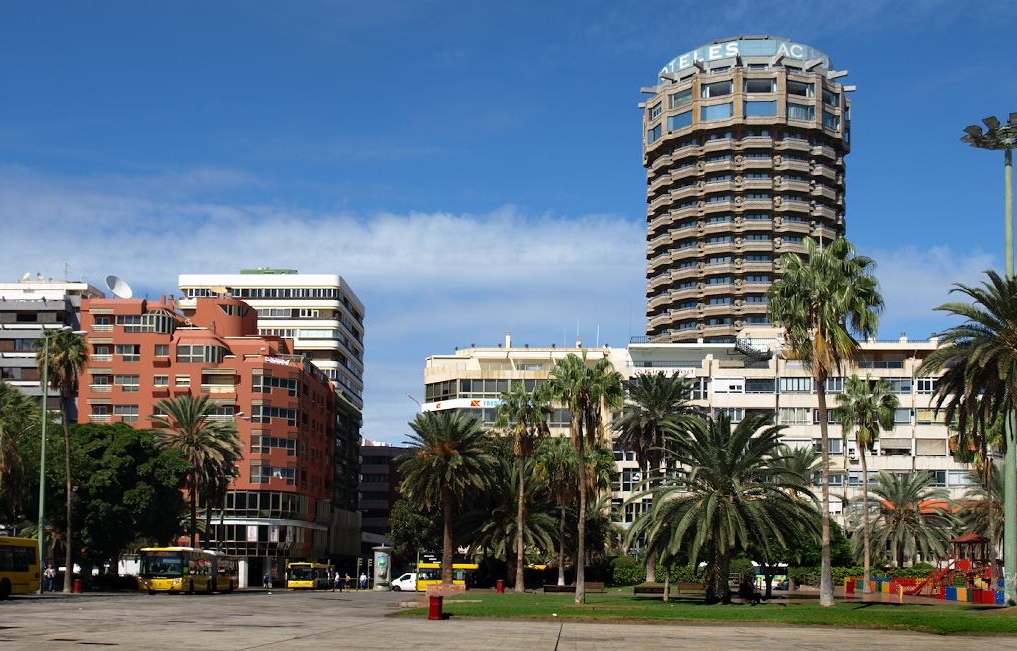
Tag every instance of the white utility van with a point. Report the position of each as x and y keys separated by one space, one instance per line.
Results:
x=407 y=582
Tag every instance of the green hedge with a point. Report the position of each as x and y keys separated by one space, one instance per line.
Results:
x=810 y=575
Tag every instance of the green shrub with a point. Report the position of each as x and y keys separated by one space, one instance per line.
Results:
x=626 y=570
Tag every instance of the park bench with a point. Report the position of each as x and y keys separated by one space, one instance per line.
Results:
x=678 y=590
x=591 y=586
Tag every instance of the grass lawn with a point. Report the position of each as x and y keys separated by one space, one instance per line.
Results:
x=619 y=605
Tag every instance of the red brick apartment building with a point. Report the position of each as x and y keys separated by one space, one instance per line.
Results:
x=142 y=352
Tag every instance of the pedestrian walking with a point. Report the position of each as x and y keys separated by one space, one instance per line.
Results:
x=266 y=580
x=338 y=582
x=363 y=581
x=48 y=578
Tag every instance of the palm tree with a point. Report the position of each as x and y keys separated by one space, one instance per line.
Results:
x=978 y=360
x=555 y=465
x=728 y=497
x=587 y=392
x=983 y=510
x=820 y=300
x=449 y=458
x=210 y=447
x=657 y=404
x=18 y=415
x=524 y=413
x=63 y=355
x=913 y=517
x=866 y=407
x=493 y=523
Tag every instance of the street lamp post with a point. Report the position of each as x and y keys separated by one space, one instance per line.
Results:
x=42 y=454
x=1004 y=136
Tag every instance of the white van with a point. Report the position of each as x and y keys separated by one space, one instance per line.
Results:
x=407 y=582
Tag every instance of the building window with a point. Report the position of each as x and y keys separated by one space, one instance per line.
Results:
x=757 y=237
x=753 y=279
x=655 y=111
x=926 y=384
x=718 y=239
x=719 y=280
x=162 y=350
x=127 y=383
x=757 y=319
x=758 y=109
x=801 y=111
x=679 y=121
x=831 y=98
x=127 y=413
x=794 y=415
x=756 y=299
x=718 y=259
x=899 y=385
x=679 y=99
x=719 y=300
x=902 y=416
x=836 y=445
x=160 y=381
x=729 y=385
x=757 y=217
x=800 y=88
x=716 y=89
x=182 y=380
x=834 y=385
x=796 y=385
x=653 y=134
x=734 y=414
x=760 y=85
x=718 y=219
x=715 y=112
x=760 y=385
x=830 y=120
x=129 y=352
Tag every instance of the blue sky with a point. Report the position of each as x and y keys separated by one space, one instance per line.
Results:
x=468 y=167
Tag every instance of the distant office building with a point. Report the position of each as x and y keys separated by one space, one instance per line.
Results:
x=736 y=378
x=379 y=489
x=324 y=318
x=284 y=408
x=27 y=308
x=744 y=142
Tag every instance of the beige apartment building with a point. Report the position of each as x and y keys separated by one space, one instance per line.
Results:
x=751 y=375
x=744 y=145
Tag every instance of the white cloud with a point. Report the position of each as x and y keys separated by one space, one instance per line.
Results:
x=429 y=281
x=915 y=281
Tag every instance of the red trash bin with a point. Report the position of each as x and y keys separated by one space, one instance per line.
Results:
x=499 y=586
x=78 y=586
x=434 y=611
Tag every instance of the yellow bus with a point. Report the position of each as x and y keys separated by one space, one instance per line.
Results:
x=19 y=566
x=175 y=569
x=225 y=569
x=430 y=574
x=307 y=576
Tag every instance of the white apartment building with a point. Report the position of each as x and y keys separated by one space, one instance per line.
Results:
x=751 y=374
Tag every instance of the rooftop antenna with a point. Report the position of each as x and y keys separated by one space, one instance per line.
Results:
x=119 y=286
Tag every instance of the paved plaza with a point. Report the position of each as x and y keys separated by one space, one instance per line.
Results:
x=357 y=620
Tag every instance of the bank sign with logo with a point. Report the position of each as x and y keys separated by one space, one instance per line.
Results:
x=461 y=403
x=745 y=48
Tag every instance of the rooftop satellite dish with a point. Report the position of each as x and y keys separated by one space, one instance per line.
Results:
x=119 y=287
x=28 y=274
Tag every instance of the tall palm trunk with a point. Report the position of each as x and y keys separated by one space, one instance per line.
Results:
x=717 y=576
x=446 y=536
x=989 y=500
x=826 y=571
x=581 y=537
x=519 y=532
x=561 y=547
x=651 y=567
x=68 y=555
x=194 y=507
x=866 y=531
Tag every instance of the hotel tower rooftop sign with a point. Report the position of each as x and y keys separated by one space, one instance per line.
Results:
x=745 y=46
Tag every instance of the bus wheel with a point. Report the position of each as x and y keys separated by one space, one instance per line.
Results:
x=151 y=592
x=5 y=589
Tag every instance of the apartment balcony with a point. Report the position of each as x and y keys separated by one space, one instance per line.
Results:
x=219 y=389
x=100 y=418
x=100 y=388
x=101 y=358
x=102 y=328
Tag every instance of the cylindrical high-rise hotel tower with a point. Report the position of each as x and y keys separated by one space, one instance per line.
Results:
x=744 y=148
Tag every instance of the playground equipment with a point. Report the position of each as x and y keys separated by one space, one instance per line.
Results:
x=969 y=567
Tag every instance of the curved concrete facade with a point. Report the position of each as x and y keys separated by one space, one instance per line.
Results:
x=744 y=142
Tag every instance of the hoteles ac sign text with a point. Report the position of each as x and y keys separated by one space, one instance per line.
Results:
x=744 y=47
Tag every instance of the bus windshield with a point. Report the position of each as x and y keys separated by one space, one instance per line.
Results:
x=303 y=573
x=161 y=564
